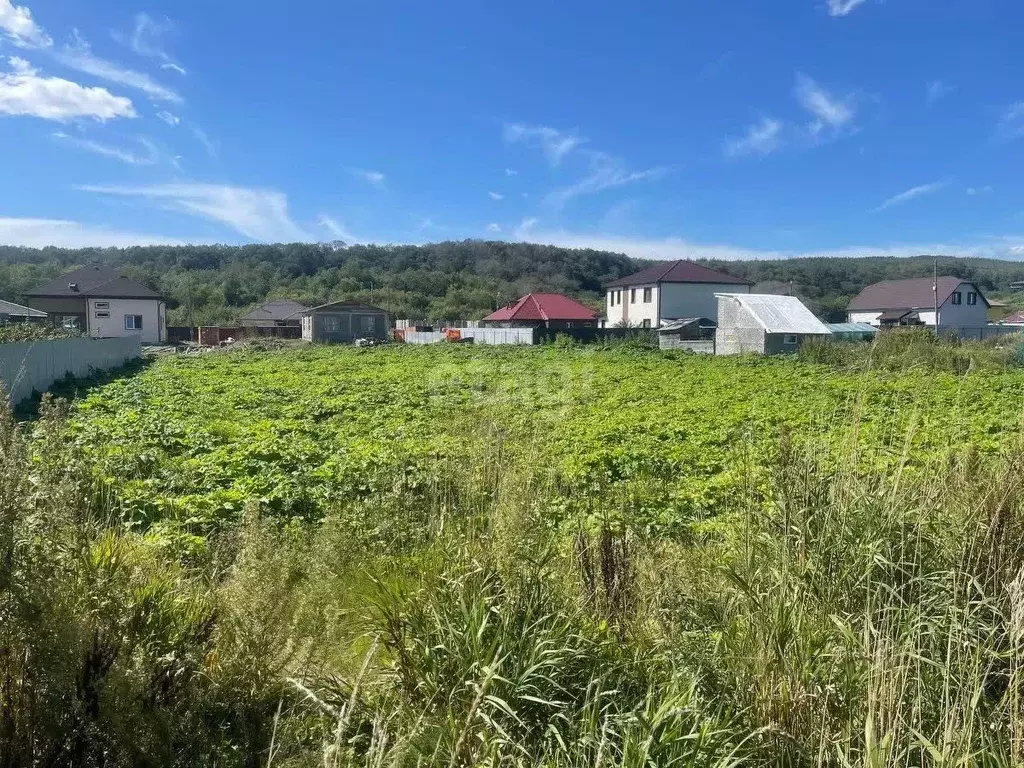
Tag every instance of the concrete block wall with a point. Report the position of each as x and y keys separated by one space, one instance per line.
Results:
x=34 y=366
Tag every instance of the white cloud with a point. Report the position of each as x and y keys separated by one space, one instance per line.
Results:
x=17 y=23
x=80 y=57
x=496 y=196
x=829 y=112
x=21 y=67
x=511 y=172
x=553 y=143
x=374 y=178
x=145 y=41
x=336 y=228
x=1011 y=122
x=151 y=156
x=670 y=248
x=911 y=194
x=760 y=139
x=168 y=118
x=259 y=214
x=606 y=172
x=937 y=90
x=40 y=233
x=202 y=138
x=972 y=191
x=25 y=92
x=527 y=225
x=494 y=227
x=843 y=7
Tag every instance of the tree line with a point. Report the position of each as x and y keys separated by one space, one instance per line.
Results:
x=214 y=284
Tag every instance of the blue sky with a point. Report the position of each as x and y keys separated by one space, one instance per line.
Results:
x=664 y=129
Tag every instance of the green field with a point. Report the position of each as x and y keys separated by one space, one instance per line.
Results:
x=194 y=439
x=554 y=556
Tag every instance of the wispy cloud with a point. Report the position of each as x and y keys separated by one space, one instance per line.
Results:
x=554 y=144
x=937 y=90
x=606 y=172
x=762 y=138
x=494 y=227
x=24 y=91
x=526 y=225
x=336 y=228
x=831 y=115
x=145 y=41
x=843 y=7
x=373 y=178
x=258 y=214
x=911 y=194
x=1011 y=122
x=204 y=139
x=79 y=56
x=495 y=196
x=972 y=191
x=17 y=24
x=511 y=172
x=150 y=155
x=169 y=118
x=41 y=233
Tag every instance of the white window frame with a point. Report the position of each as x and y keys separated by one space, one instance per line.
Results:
x=956 y=298
x=367 y=323
x=102 y=313
x=133 y=322
x=972 y=298
x=332 y=324
x=101 y=305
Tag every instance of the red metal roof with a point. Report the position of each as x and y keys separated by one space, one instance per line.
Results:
x=544 y=306
x=681 y=271
x=915 y=293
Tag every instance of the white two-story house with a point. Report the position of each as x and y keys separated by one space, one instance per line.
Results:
x=100 y=302
x=962 y=308
x=670 y=290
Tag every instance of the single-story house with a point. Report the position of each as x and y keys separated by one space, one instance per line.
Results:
x=1017 y=318
x=890 y=303
x=756 y=322
x=852 y=331
x=696 y=333
x=341 y=322
x=668 y=291
x=280 y=313
x=543 y=310
x=17 y=313
x=101 y=302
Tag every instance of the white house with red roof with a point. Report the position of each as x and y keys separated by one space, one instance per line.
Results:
x=670 y=290
x=543 y=310
x=961 y=305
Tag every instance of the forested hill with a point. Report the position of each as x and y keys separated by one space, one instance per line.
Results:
x=215 y=284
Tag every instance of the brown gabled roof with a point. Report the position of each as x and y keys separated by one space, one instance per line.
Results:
x=681 y=271
x=94 y=281
x=915 y=293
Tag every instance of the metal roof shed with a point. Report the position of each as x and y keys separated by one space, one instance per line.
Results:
x=763 y=323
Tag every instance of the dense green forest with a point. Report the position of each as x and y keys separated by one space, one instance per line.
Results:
x=209 y=285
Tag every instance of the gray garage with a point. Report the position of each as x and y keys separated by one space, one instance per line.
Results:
x=342 y=322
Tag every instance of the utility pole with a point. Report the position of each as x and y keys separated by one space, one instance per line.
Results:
x=935 y=292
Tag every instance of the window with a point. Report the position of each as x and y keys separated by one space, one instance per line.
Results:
x=70 y=322
x=102 y=305
x=332 y=323
x=647 y=295
x=632 y=295
x=133 y=322
x=646 y=324
x=789 y=338
x=611 y=299
x=368 y=323
x=102 y=314
x=972 y=298
x=958 y=298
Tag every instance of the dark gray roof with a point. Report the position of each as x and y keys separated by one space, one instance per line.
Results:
x=94 y=281
x=681 y=271
x=915 y=293
x=17 y=310
x=344 y=306
x=280 y=309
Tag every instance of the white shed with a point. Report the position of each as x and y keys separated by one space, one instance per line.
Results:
x=757 y=322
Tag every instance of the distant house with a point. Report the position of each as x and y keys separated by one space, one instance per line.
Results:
x=694 y=333
x=274 y=314
x=343 y=322
x=891 y=303
x=852 y=331
x=543 y=310
x=16 y=313
x=1017 y=318
x=755 y=322
x=668 y=291
x=101 y=302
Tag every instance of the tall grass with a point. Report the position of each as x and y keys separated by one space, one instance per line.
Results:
x=833 y=616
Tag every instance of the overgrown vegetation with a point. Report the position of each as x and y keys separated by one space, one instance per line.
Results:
x=853 y=600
